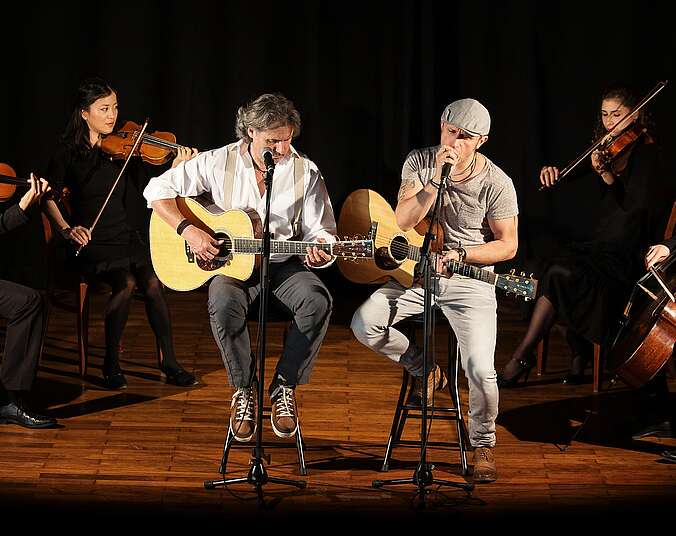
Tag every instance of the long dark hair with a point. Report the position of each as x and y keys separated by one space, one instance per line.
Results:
x=76 y=134
x=628 y=98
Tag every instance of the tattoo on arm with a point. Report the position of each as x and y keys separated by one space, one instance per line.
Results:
x=406 y=185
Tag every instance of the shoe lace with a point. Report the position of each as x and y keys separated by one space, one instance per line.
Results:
x=484 y=455
x=244 y=411
x=284 y=402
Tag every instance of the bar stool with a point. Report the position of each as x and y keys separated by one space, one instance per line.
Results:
x=274 y=315
x=405 y=410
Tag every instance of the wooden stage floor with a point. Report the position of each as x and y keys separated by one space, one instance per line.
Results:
x=146 y=451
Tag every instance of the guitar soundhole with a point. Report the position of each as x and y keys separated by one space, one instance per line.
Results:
x=224 y=255
x=390 y=258
x=399 y=248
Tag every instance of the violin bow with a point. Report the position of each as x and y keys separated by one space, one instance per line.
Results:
x=659 y=87
x=117 y=180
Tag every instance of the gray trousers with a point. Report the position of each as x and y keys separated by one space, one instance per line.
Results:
x=294 y=289
x=470 y=307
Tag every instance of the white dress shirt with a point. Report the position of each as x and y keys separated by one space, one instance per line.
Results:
x=205 y=173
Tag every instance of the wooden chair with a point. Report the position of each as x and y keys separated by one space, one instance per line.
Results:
x=71 y=292
x=599 y=351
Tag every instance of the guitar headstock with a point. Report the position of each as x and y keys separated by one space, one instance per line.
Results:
x=518 y=284
x=356 y=248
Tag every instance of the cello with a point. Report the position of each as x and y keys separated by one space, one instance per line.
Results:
x=645 y=342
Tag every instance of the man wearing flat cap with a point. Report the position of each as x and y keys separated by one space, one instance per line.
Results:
x=478 y=216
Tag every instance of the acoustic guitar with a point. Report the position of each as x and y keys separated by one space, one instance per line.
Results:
x=396 y=252
x=178 y=268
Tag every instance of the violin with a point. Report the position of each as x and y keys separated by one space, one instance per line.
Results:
x=614 y=144
x=9 y=182
x=156 y=148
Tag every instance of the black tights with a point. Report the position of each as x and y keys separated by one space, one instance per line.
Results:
x=124 y=283
x=541 y=321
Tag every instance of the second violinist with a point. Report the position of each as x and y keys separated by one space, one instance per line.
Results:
x=585 y=285
x=117 y=250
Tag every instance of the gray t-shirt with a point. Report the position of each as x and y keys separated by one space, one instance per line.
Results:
x=465 y=205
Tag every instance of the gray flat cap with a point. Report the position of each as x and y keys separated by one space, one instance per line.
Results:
x=469 y=115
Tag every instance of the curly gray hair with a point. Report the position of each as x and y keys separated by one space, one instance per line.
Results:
x=270 y=110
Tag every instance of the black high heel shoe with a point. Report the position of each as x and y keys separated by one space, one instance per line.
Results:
x=524 y=371
x=179 y=376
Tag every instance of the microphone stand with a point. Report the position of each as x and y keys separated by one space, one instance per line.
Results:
x=258 y=475
x=422 y=475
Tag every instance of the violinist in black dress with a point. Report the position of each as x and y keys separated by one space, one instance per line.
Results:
x=117 y=251
x=586 y=285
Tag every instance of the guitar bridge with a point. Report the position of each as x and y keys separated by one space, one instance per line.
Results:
x=189 y=254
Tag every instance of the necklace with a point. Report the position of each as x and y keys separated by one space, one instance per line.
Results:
x=254 y=162
x=470 y=167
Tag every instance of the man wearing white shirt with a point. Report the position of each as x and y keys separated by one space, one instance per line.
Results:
x=300 y=209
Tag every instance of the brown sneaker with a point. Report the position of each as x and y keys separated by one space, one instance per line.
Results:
x=484 y=465
x=242 y=414
x=436 y=381
x=283 y=414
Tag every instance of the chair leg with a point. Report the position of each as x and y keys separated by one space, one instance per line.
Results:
x=598 y=368
x=542 y=352
x=83 y=326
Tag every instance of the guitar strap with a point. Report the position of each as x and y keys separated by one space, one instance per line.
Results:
x=229 y=175
x=298 y=187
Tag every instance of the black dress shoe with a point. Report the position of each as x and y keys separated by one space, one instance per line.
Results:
x=115 y=381
x=659 y=429
x=179 y=376
x=669 y=456
x=14 y=413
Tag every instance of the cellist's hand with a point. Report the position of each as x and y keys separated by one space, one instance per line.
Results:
x=549 y=175
x=183 y=154
x=656 y=254
x=38 y=188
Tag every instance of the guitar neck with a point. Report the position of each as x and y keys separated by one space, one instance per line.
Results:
x=460 y=268
x=254 y=246
x=472 y=271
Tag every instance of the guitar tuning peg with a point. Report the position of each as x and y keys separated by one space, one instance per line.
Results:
x=523 y=275
x=512 y=271
x=531 y=275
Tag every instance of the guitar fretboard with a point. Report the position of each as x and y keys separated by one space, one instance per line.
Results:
x=255 y=246
x=459 y=268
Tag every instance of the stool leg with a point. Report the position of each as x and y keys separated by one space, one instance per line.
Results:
x=397 y=422
x=299 y=447
x=226 y=450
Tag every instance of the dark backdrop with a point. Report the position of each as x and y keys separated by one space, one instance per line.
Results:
x=369 y=78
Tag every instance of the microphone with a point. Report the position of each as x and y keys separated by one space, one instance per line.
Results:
x=445 y=173
x=269 y=162
x=446 y=170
